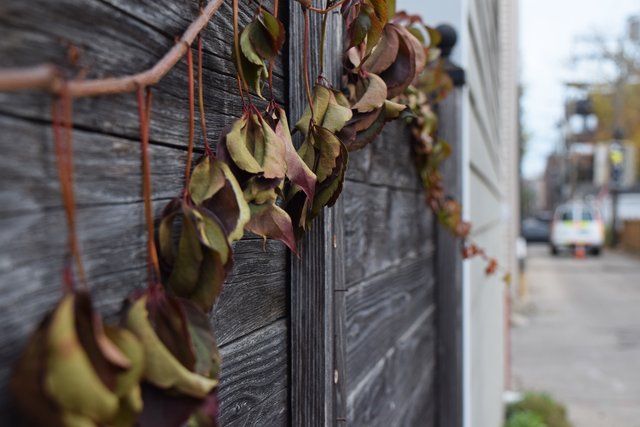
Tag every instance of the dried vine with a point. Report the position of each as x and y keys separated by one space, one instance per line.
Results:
x=257 y=181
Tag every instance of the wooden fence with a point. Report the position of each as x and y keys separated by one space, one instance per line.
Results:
x=362 y=330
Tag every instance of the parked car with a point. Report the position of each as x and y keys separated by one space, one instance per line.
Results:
x=575 y=225
x=535 y=229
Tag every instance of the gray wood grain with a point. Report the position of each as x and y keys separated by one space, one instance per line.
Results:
x=116 y=38
x=449 y=277
x=270 y=412
x=385 y=226
x=254 y=369
x=384 y=396
x=386 y=161
x=315 y=276
x=117 y=43
x=379 y=311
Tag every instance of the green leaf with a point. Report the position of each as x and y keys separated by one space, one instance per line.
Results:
x=204 y=344
x=206 y=180
x=374 y=95
x=328 y=149
x=255 y=148
x=297 y=170
x=253 y=73
x=359 y=29
x=320 y=98
x=165 y=232
x=70 y=379
x=401 y=73
x=247 y=47
x=385 y=53
x=267 y=35
x=270 y=221
x=338 y=114
x=185 y=269
x=228 y=203
x=209 y=231
x=128 y=382
x=238 y=141
x=329 y=190
x=163 y=369
x=25 y=383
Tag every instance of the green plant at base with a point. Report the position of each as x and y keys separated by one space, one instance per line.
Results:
x=552 y=413
x=525 y=419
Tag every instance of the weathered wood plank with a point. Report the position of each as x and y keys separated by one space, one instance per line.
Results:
x=379 y=311
x=385 y=227
x=117 y=43
x=387 y=160
x=107 y=169
x=315 y=276
x=116 y=38
x=421 y=407
x=272 y=412
x=380 y=398
x=255 y=293
x=114 y=253
x=449 y=277
x=254 y=369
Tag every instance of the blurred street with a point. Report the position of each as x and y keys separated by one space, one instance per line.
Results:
x=577 y=335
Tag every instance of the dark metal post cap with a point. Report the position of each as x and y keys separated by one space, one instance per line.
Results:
x=449 y=38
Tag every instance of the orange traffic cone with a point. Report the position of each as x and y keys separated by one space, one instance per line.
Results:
x=581 y=253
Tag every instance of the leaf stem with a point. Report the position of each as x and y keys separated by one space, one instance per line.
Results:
x=327 y=10
x=203 y=122
x=322 y=42
x=305 y=59
x=275 y=14
x=236 y=44
x=144 y=115
x=62 y=112
x=187 y=173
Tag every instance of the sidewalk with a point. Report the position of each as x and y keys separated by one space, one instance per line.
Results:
x=578 y=336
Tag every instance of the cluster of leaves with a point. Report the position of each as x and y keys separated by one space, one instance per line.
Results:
x=429 y=87
x=160 y=367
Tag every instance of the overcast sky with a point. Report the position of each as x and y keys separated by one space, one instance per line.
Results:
x=548 y=31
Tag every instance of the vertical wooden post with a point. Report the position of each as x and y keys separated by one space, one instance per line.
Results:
x=449 y=278
x=317 y=277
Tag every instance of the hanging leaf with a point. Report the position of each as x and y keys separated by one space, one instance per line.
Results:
x=365 y=21
x=330 y=110
x=255 y=148
x=327 y=155
x=268 y=220
x=373 y=94
x=385 y=53
x=266 y=34
x=402 y=71
x=297 y=170
x=364 y=128
x=73 y=373
x=216 y=188
x=169 y=328
x=254 y=70
x=330 y=189
x=262 y=39
x=198 y=265
x=164 y=370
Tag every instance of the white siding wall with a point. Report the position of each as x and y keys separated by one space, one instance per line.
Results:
x=509 y=115
x=487 y=49
x=485 y=209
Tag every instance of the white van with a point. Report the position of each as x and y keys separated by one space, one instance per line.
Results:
x=577 y=224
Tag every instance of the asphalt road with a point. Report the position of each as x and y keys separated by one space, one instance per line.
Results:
x=577 y=336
